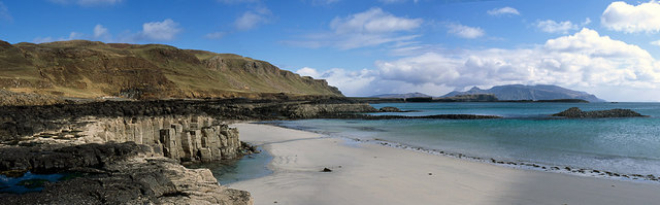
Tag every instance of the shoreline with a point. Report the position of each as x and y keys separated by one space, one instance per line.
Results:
x=369 y=173
x=583 y=172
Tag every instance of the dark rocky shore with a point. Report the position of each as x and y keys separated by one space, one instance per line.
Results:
x=129 y=152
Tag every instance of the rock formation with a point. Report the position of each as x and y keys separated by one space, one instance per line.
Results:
x=575 y=112
x=184 y=138
x=20 y=121
x=389 y=109
x=118 y=173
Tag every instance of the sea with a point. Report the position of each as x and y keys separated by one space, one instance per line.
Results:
x=526 y=136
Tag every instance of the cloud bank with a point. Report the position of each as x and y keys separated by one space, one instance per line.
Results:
x=463 y=31
x=550 y=26
x=585 y=60
x=369 y=28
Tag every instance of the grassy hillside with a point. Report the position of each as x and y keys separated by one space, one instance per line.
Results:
x=87 y=69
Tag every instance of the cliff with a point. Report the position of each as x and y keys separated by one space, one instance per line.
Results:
x=86 y=69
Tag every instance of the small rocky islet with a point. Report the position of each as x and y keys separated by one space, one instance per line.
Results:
x=575 y=112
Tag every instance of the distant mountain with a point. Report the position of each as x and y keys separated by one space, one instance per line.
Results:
x=530 y=92
x=407 y=95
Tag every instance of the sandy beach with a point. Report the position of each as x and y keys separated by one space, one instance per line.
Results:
x=365 y=173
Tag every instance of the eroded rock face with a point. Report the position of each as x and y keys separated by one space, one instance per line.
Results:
x=184 y=138
x=575 y=112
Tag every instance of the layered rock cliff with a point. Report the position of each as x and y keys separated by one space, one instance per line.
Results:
x=86 y=69
x=184 y=138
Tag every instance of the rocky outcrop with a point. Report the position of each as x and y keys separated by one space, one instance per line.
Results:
x=124 y=173
x=389 y=109
x=184 y=138
x=304 y=111
x=19 y=121
x=46 y=158
x=575 y=112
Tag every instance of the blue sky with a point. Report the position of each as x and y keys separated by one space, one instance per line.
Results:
x=373 y=47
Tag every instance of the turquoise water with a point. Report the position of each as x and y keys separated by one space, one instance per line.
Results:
x=247 y=167
x=526 y=134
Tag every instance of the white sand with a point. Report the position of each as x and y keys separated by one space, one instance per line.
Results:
x=374 y=174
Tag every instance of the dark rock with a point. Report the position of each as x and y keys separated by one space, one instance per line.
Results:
x=53 y=158
x=326 y=170
x=125 y=181
x=575 y=112
x=389 y=109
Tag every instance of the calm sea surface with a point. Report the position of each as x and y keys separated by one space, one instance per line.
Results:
x=526 y=134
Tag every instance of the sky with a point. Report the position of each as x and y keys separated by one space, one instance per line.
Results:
x=369 y=47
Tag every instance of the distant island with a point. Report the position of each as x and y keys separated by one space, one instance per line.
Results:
x=530 y=93
x=503 y=93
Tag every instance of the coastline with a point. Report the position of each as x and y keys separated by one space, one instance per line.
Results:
x=368 y=173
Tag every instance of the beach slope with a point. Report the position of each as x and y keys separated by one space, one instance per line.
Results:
x=365 y=173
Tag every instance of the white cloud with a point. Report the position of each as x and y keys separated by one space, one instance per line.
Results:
x=550 y=26
x=4 y=13
x=215 y=35
x=655 y=43
x=88 y=2
x=252 y=19
x=465 y=31
x=621 y=16
x=100 y=31
x=43 y=39
x=165 y=30
x=72 y=36
x=75 y=35
x=369 y=28
x=374 y=20
x=503 y=11
x=611 y=69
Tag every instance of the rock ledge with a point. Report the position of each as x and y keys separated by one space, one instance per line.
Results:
x=575 y=112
